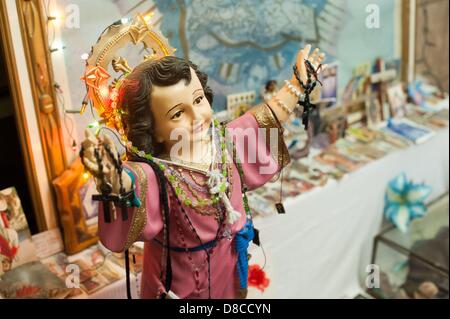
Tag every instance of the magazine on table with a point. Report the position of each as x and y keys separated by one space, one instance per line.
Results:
x=431 y=120
x=97 y=270
x=395 y=140
x=361 y=152
x=413 y=132
x=32 y=280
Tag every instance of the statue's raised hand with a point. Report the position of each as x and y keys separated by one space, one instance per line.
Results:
x=100 y=158
x=315 y=59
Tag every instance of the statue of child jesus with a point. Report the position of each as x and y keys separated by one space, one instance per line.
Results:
x=189 y=174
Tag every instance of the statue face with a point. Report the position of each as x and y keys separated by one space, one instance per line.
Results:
x=181 y=107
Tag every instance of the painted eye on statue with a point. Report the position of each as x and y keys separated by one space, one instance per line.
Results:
x=177 y=115
x=198 y=100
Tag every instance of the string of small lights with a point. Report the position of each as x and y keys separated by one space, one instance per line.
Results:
x=54 y=19
x=66 y=118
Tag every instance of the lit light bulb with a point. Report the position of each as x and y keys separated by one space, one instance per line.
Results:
x=148 y=16
x=94 y=124
x=55 y=18
x=86 y=175
x=85 y=56
x=58 y=20
x=124 y=20
x=104 y=91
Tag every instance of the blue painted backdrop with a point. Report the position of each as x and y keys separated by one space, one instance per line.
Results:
x=242 y=44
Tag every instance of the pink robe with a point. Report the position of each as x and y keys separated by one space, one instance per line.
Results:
x=186 y=281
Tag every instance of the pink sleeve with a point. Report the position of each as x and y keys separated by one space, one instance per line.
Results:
x=144 y=222
x=255 y=147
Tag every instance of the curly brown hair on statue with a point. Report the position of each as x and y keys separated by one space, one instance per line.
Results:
x=135 y=93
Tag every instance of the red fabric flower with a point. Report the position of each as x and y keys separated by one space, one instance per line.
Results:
x=257 y=277
x=6 y=249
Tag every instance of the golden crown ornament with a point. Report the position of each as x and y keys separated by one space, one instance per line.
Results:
x=103 y=87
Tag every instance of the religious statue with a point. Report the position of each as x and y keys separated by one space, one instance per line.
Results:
x=181 y=184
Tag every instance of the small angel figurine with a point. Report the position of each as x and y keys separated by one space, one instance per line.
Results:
x=185 y=175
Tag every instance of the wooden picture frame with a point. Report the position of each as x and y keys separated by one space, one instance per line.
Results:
x=373 y=111
x=355 y=111
x=23 y=29
x=78 y=234
x=397 y=100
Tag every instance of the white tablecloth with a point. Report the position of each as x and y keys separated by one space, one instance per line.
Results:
x=320 y=248
x=322 y=245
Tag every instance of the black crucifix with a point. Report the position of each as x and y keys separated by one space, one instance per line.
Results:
x=105 y=190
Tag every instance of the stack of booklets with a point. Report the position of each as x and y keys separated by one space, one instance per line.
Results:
x=409 y=130
x=359 y=147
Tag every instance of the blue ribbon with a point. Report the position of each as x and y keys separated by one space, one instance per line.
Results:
x=242 y=240
x=206 y=245
x=136 y=202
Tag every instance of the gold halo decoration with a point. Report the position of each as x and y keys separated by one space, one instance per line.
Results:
x=102 y=87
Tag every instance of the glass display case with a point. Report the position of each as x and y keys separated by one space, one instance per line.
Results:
x=415 y=264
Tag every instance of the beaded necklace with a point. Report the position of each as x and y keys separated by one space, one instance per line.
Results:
x=195 y=187
x=207 y=251
x=206 y=210
x=196 y=181
x=196 y=268
x=225 y=174
x=193 y=183
x=218 y=178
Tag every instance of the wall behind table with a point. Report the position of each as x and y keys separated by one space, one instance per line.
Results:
x=240 y=44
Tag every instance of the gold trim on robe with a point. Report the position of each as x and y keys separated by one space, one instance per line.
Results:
x=140 y=217
x=266 y=119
